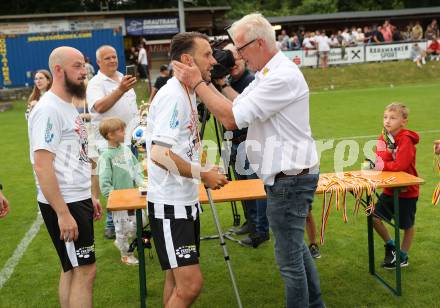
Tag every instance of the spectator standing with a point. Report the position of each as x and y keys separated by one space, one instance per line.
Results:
x=160 y=81
x=417 y=32
x=295 y=44
x=377 y=35
x=110 y=94
x=407 y=34
x=334 y=42
x=285 y=38
x=368 y=35
x=90 y=69
x=360 y=37
x=132 y=56
x=397 y=36
x=434 y=27
x=142 y=62
x=58 y=153
x=43 y=82
x=308 y=42
x=429 y=33
x=323 y=46
x=387 y=32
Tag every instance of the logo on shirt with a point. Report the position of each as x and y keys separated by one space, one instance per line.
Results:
x=174 y=121
x=48 y=134
x=80 y=129
x=193 y=144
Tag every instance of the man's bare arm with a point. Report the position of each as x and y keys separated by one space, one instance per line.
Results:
x=166 y=159
x=43 y=167
x=107 y=102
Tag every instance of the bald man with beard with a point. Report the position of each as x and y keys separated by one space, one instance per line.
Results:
x=58 y=153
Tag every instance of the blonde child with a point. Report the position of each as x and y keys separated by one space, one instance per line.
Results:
x=119 y=169
x=396 y=151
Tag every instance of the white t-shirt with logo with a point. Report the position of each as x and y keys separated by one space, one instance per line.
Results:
x=125 y=108
x=55 y=126
x=172 y=122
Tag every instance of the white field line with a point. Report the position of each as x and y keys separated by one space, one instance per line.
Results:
x=12 y=262
x=376 y=136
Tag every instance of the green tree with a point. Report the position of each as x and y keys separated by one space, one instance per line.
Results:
x=317 y=7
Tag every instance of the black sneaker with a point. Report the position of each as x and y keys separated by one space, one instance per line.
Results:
x=254 y=240
x=390 y=255
x=403 y=263
x=245 y=229
x=314 y=251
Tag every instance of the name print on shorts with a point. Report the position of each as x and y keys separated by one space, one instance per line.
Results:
x=185 y=251
x=85 y=252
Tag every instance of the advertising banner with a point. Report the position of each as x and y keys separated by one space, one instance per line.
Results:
x=346 y=55
x=149 y=26
x=389 y=52
x=22 y=55
x=14 y=28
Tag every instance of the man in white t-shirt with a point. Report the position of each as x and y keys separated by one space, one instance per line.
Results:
x=280 y=147
x=58 y=153
x=173 y=144
x=110 y=94
x=143 y=62
x=323 y=46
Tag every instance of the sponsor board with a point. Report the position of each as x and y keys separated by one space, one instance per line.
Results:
x=138 y=26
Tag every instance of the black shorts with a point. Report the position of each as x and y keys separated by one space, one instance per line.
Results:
x=177 y=240
x=82 y=251
x=407 y=210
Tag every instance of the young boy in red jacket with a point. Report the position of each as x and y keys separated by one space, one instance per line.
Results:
x=396 y=151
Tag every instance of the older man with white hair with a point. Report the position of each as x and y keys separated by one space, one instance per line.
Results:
x=110 y=94
x=280 y=147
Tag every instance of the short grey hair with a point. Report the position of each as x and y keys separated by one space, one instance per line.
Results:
x=98 y=51
x=254 y=26
x=55 y=58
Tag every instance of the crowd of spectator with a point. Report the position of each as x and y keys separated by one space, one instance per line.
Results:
x=376 y=34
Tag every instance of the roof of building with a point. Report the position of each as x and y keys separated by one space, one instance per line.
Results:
x=356 y=15
x=113 y=13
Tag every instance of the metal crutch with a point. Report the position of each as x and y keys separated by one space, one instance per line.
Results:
x=223 y=244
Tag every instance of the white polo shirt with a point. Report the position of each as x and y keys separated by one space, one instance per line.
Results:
x=275 y=107
x=125 y=108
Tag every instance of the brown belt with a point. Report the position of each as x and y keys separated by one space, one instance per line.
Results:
x=283 y=175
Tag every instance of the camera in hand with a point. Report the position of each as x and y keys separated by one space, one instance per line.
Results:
x=225 y=61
